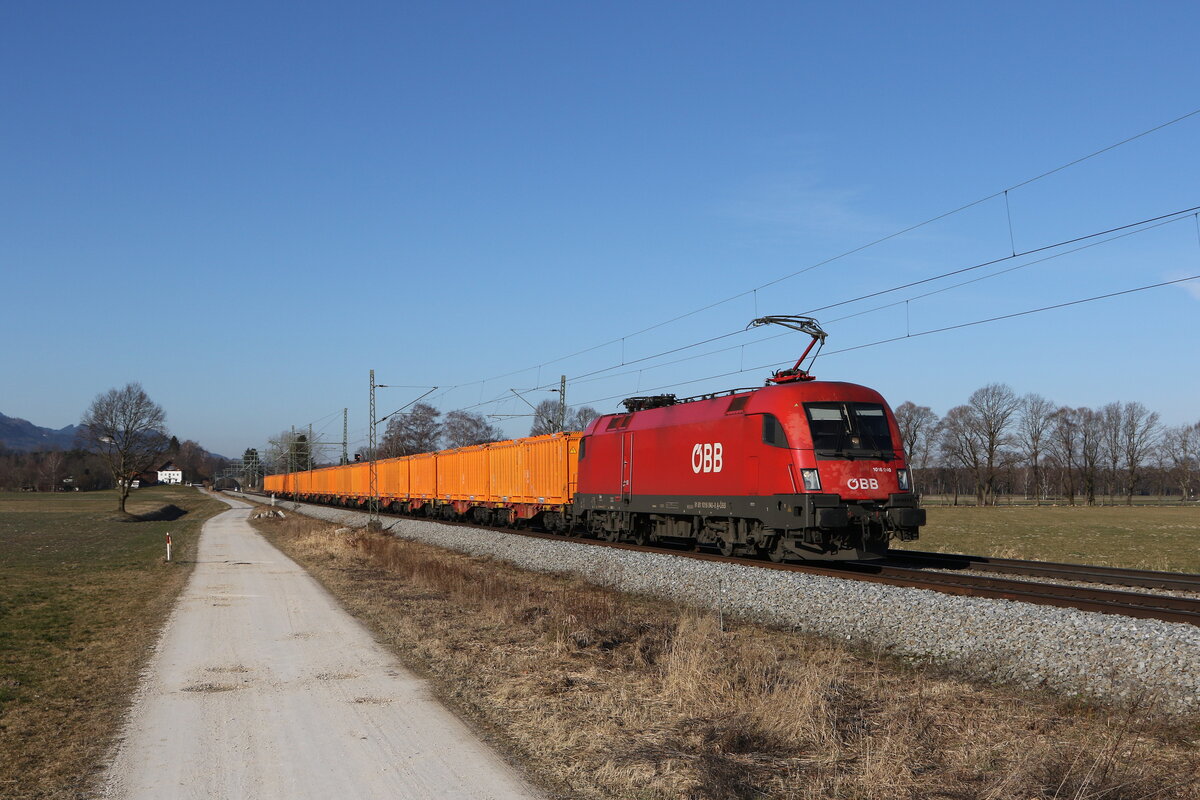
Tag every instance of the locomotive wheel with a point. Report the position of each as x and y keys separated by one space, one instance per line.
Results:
x=774 y=550
x=727 y=548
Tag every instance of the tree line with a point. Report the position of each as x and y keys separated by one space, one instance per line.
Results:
x=424 y=429
x=122 y=436
x=999 y=443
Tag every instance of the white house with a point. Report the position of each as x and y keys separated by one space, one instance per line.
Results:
x=169 y=473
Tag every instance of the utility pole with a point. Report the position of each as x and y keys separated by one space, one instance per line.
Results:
x=373 y=522
x=345 y=427
x=292 y=465
x=562 y=403
x=309 y=449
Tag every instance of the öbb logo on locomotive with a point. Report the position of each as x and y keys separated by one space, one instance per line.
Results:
x=708 y=457
x=794 y=469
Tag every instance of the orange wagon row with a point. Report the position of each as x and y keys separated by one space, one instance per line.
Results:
x=502 y=481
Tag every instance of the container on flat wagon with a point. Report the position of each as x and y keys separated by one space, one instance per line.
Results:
x=537 y=469
x=341 y=481
x=359 y=480
x=464 y=474
x=422 y=475
x=392 y=478
x=323 y=481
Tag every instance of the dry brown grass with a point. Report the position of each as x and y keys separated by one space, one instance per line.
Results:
x=607 y=695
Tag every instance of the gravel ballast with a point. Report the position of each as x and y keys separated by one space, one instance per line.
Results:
x=1107 y=657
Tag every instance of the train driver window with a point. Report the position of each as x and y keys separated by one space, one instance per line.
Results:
x=773 y=433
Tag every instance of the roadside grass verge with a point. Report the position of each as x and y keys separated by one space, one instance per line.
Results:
x=606 y=695
x=1145 y=537
x=83 y=594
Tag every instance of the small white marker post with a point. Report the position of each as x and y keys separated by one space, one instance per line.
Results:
x=168 y=547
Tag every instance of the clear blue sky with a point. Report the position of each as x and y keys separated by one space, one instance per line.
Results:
x=246 y=206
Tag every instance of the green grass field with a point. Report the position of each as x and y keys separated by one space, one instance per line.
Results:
x=1148 y=537
x=83 y=593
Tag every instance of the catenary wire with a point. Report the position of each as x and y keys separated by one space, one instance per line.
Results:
x=860 y=248
x=1122 y=231
x=916 y=335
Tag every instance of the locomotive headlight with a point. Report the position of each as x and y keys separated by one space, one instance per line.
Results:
x=903 y=479
x=812 y=480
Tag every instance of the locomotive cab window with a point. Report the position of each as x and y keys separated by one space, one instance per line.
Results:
x=773 y=432
x=850 y=430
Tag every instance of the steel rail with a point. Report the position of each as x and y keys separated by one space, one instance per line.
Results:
x=1086 y=573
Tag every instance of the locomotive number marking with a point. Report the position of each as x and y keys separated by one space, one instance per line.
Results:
x=863 y=483
x=708 y=457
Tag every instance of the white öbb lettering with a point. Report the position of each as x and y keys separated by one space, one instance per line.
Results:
x=708 y=457
x=863 y=483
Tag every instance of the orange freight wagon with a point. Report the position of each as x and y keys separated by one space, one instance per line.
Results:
x=464 y=477
x=501 y=482
x=423 y=478
x=392 y=479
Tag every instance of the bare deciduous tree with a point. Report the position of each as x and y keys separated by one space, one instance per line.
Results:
x=1139 y=433
x=1090 y=444
x=960 y=444
x=50 y=471
x=581 y=417
x=1110 y=445
x=1033 y=428
x=1181 y=450
x=462 y=429
x=416 y=431
x=545 y=418
x=919 y=428
x=1064 y=447
x=128 y=429
x=979 y=433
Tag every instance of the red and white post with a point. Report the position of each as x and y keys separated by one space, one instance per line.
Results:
x=168 y=546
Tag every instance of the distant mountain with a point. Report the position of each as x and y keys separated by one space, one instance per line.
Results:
x=23 y=436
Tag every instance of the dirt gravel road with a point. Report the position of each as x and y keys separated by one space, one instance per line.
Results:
x=263 y=687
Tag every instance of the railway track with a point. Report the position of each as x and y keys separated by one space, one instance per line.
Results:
x=914 y=571
x=1084 y=573
x=1144 y=605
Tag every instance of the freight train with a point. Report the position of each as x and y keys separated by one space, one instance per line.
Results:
x=797 y=469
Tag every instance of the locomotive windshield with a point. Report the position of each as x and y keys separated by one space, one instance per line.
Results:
x=850 y=430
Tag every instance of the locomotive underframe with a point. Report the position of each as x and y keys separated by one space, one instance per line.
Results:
x=801 y=526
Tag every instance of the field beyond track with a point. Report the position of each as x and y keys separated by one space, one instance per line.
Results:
x=83 y=595
x=1143 y=537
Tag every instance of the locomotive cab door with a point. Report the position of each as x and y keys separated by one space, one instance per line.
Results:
x=626 y=467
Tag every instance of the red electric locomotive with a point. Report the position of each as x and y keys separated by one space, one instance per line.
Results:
x=796 y=469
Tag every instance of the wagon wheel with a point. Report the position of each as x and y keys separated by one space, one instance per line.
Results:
x=727 y=548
